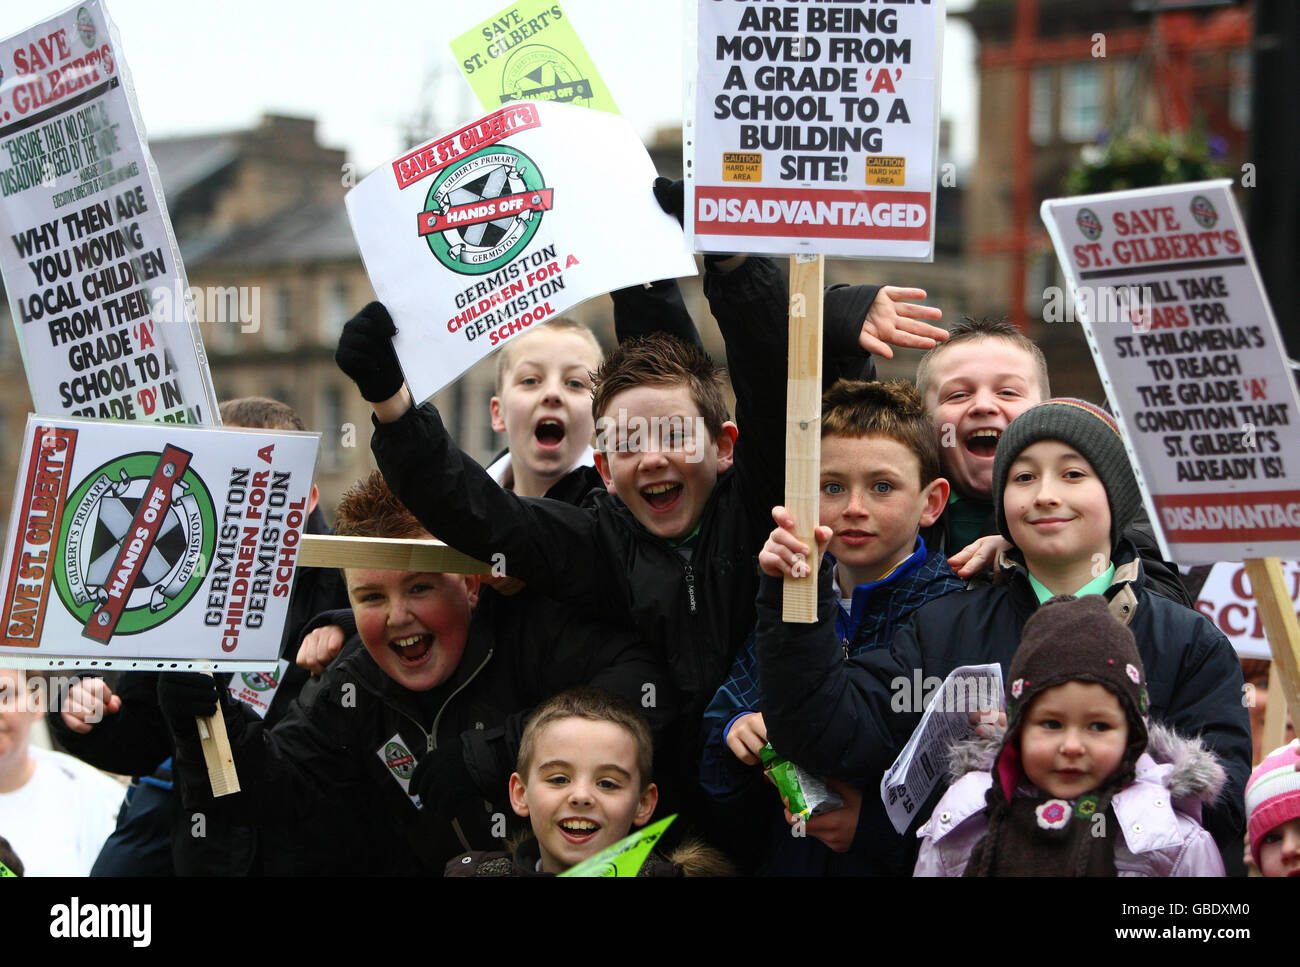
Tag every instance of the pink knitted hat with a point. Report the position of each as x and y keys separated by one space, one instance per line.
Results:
x=1273 y=793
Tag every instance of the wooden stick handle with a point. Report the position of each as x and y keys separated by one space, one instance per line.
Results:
x=320 y=550
x=217 y=754
x=803 y=411
x=1277 y=611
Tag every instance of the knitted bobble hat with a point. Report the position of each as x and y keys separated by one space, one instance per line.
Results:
x=1273 y=794
x=1092 y=432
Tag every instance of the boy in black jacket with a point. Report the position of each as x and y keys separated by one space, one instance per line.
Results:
x=391 y=754
x=1064 y=493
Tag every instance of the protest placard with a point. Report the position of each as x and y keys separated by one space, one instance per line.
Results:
x=95 y=283
x=1228 y=600
x=814 y=128
x=1171 y=302
x=503 y=224
x=529 y=51
x=137 y=545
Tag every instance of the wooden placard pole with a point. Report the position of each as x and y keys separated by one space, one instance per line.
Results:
x=803 y=427
x=1277 y=612
x=217 y=754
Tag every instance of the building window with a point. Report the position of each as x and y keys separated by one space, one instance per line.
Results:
x=1081 y=103
x=1126 y=103
x=277 y=328
x=337 y=307
x=1239 y=91
x=331 y=427
x=1041 y=97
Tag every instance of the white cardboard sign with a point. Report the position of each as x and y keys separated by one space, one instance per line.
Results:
x=505 y=223
x=1228 y=600
x=1171 y=302
x=137 y=545
x=98 y=294
x=814 y=128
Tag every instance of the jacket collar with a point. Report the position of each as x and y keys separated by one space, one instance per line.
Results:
x=1122 y=595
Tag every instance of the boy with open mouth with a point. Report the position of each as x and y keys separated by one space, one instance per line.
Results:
x=394 y=749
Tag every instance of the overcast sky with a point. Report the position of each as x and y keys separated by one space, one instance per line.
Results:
x=362 y=69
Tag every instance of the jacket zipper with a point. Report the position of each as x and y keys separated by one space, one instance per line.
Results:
x=432 y=739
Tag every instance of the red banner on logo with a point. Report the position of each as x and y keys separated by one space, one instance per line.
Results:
x=433 y=157
x=506 y=206
x=138 y=542
x=812 y=212
x=35 y=545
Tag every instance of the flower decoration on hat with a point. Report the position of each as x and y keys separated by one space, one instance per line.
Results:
x=1134 y=675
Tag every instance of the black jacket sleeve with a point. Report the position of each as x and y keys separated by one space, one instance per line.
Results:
x=640 y=310
x=832 y=717
x=550 y=545
x=131 y=742
x=1161 y=576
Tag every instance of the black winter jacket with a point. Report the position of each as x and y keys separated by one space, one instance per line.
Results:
x=598 y=557
x=838 y=718
x=324 y=763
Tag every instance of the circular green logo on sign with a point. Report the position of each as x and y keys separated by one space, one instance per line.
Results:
x=1088 y=223
x=261 y=681
x=97 y=523
x=399 y=760
x=85 y=27
x=479 y=184
x=540 y=73
x=1203 y=211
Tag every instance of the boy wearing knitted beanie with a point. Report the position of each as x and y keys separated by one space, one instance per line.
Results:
x=1273 y=807
x=1071 y=790
x=1064 y=494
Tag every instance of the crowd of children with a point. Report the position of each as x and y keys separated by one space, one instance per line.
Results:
x=634 y=661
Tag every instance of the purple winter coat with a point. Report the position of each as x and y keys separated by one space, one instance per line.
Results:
x=1158 y=813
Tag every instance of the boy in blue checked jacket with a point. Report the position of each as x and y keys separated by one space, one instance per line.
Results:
x=880 y=484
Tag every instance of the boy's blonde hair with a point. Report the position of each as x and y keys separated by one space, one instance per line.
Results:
x=968 y=330
x=852 y=408
x=595 y=705
x=560 y=324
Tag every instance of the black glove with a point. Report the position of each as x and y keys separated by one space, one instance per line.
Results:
x=183 y=695
x=366 y=354
x=442 y=781
x=671 y=196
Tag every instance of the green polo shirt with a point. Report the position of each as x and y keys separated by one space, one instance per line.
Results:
x=1097 y=585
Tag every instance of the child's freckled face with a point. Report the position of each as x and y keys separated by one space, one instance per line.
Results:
x=1073 y=738
x=583 y=790
x=658 y=457
x=414 y=625
x=1279 y=850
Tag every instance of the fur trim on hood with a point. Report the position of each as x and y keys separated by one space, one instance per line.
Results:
x=1196 y=772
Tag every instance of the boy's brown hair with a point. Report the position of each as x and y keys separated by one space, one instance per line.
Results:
x=663 y=360
x=895 y=410
x=262 y=413
x=369 y=509
x=970 y=329
x=595 y=705
x=559 y=324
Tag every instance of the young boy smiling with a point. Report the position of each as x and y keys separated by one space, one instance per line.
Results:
x=430 y=707
x=880 y=484
x=1065 y=494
